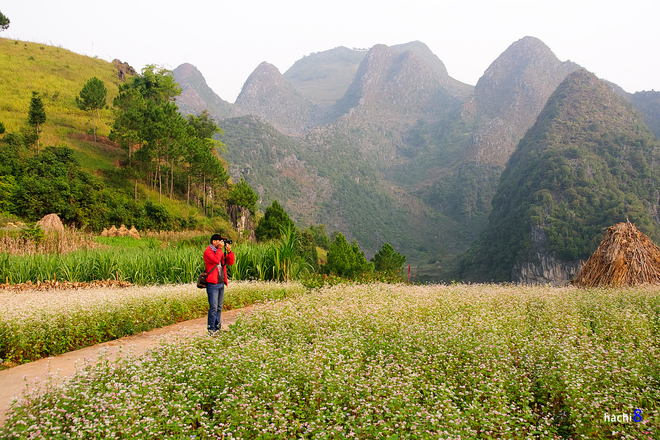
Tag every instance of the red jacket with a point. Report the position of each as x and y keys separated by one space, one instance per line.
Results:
x=211 y=259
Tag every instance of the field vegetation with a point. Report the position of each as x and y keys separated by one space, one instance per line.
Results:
x=37 y=324
x=382 y=361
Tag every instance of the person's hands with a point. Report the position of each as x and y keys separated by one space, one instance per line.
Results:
x=228 y=247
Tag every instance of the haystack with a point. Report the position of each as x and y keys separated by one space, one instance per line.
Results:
x=104 y=233
x=625 y=257
x=122 y=231
x=51 y=223
x=113 y=231
x=134 y=233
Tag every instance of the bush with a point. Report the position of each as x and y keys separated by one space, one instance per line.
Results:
x=346 y=260
x=270 y=225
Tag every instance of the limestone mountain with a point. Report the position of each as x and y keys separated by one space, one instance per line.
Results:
x=456 y=88
x=484 y=131
x=197 y=96
x=649 y=104
x=588 y=162
x=390 y=93
x=382 y=145
x=510 y=95
x=324 y=77
x=267 y=94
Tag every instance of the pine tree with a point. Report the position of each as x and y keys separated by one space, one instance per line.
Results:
x=36 y=114
x=4 y=22
x=92 y=97
x=388 y=260
x=274 y=218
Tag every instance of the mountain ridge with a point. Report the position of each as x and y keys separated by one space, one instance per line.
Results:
x=434 y=156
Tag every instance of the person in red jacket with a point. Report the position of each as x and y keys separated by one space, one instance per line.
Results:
x=216 y=261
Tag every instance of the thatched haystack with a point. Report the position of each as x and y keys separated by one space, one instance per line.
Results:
x=113 y=231
x=104 y=233
x=51 y=223
x=122 y=231
x=625 y=257
x=134 y=233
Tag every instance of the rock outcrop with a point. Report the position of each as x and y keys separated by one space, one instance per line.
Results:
x=542 y=267
x=123 y=69
x=242 y=222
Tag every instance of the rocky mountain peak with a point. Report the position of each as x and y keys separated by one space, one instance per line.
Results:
x=525 y=73
x=196 y=95
x=267 y=94
x=264 y=77
x=511 y=94
x=388 y=81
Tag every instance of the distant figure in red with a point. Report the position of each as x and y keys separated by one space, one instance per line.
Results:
x=216 y=261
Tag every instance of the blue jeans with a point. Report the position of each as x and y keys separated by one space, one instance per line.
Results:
x=216 y=295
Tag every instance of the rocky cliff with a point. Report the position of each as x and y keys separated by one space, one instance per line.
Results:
x=543 y=267
x=267 y=94
x=196 y=96
x=509 y=97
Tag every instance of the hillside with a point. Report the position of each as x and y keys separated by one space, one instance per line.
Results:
x=588 y=162
x=85 y=183
x=58 y=75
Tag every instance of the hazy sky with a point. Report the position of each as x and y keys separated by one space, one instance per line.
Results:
x=226 y=41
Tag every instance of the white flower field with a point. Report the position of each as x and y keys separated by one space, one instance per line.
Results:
x=37 y=324
x=375 y=361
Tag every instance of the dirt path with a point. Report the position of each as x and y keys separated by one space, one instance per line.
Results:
x=13 y=380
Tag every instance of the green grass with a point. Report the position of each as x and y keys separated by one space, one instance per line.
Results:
x=150 y=260
x=59 y=75
x=128 y=242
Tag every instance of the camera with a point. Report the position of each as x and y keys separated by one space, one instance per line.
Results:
x=227 y=240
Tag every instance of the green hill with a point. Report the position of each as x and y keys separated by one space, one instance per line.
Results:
x=588 y=162
x=58 y=75
x=95 y=185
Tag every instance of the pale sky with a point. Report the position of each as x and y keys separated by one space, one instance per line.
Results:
x=618 y=41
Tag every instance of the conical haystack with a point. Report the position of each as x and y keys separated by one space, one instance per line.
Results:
x=113 y=231
x=105 y=232
x=625 y=257
x=134 y=233
x=122 y=231
x=51 y=222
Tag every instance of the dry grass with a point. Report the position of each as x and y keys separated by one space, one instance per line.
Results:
x=69 y=240
x=625 y=257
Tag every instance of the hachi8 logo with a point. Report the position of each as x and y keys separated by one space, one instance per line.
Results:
x=636 y=416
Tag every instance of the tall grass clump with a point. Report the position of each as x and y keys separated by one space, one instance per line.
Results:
x=143 y=262
x=384 y=361
x=35 y=324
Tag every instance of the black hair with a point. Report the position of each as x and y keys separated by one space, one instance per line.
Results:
x=215 y=237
